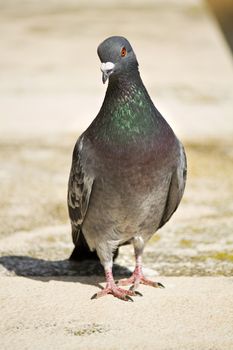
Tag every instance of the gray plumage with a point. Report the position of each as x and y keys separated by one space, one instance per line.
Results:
x=129 y=169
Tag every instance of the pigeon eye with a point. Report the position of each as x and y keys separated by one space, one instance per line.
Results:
x=123 y=52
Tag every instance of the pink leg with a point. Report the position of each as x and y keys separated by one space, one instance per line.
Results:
x=138 y=277
x=111 y=288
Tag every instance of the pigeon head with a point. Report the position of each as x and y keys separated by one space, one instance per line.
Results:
x=117 y=57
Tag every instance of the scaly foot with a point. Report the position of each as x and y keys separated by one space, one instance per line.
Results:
x=138 y=278
x=117 y=292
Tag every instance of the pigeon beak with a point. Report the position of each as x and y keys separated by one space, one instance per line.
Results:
x=106 y=69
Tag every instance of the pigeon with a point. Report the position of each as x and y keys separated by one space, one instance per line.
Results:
x=128 y=171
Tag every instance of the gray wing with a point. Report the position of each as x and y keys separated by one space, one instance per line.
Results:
x=176 y=188
x=79 y=190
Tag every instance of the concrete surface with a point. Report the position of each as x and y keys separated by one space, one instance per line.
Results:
x=57 y=313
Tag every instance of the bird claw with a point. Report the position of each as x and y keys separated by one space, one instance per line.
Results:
x=137 y=293
x=147 y=282
x=128 y=298
x=94 y=296
x=136 y=279
x=116 y=292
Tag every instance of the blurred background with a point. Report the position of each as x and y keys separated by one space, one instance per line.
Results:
x=50 y=91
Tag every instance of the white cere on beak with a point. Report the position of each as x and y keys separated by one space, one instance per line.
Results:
x=108 y=66
x=106 y=69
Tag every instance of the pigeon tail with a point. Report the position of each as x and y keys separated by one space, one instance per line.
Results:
x=82 y=251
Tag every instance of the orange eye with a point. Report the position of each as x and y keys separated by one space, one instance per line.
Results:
x=123 y=52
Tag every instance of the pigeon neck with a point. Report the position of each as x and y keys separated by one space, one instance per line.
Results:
x=127 y=104
x=124 y=81
x=127 y=115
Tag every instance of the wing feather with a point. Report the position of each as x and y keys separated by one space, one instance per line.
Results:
x=176 y=188
x=79 y=191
